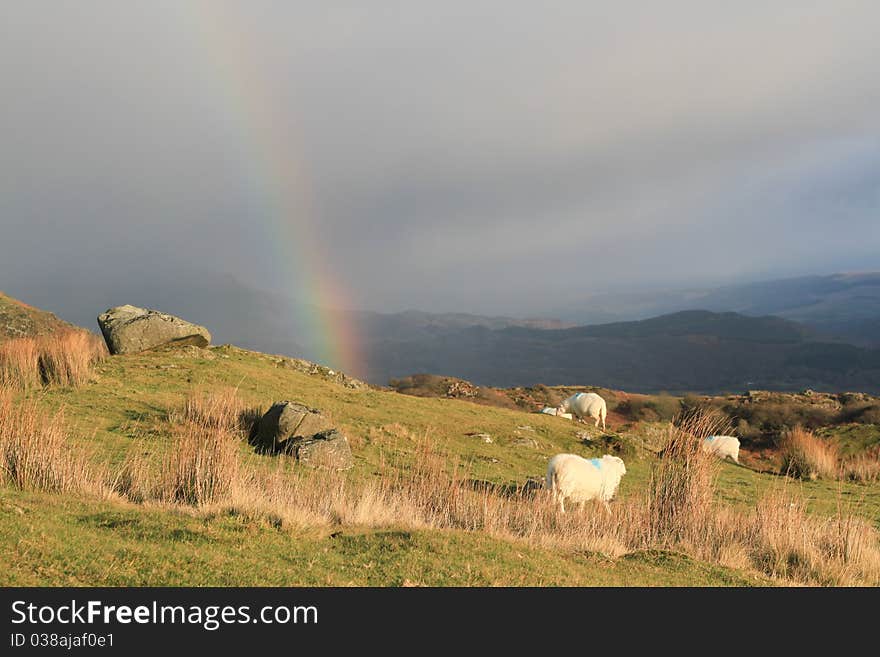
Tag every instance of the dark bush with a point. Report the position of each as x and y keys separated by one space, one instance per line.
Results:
x=863 y=413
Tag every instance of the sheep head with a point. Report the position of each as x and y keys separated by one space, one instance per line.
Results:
x=615 y=462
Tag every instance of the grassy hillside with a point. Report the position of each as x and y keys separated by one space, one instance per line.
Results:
x=17 y=319
x=850 y=419
x=131 y=405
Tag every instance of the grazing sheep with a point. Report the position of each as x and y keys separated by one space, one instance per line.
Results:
x=580 y=480
x=722 y=447
x=549 y=410
x=585 y=404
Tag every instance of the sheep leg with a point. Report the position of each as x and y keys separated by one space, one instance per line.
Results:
x=561 y=504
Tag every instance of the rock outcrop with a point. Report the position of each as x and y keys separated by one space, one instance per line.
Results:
x=304 y=433
x=285 y=423
x=129 y=329
x=326 y=449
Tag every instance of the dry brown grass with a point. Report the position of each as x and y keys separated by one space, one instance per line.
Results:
x=62 y=358
x=788 y=542
x=202 y=467
x=20 y=363
x=217 y=409
x=680 y=493
x=806 y=456
x=863 y=468
x=36 y=452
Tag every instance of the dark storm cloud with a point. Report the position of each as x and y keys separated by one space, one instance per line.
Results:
x=483 y=156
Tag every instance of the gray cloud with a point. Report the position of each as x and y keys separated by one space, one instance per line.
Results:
x=481 y=156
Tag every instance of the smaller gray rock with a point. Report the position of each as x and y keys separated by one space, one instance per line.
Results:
x=286 y=422
x=531 y=486
x=525 y=442
x=327 y=449
x=584 y=436
x=484 y=437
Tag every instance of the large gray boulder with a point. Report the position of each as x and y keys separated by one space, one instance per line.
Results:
x=129 y=329
x=327 y=449
x=284 y=423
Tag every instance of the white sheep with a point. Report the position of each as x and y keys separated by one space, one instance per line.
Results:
x=723 y=447
x=585 y=404
x=549 y=410
x=579 y=480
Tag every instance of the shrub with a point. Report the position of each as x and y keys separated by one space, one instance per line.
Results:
x=777 y=417
x=864 y=413
x=650 y=409
x=807 y=457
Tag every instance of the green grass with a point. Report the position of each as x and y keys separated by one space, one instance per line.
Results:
x=132 y=396
x=55 y=540
x=852 y=438
x=50 y=540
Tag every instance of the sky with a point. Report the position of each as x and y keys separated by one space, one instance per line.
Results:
x=479 y=156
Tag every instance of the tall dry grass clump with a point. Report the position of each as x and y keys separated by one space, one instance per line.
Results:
x=806 y=456
x=787 y=542
x=679 y=498
x=20 y=364
x=863 y=468
x=66 y=358
x=136 y=479
x=36 y=452
x=61 y=358
x=216 y=409
x=202 y=467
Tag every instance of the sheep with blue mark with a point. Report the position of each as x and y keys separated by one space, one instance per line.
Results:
x=585 y=404
x=578 y=480
x=723 y=447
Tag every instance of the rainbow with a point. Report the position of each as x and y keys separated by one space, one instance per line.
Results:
x=269 y=142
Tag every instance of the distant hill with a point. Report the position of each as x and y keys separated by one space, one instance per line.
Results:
x=818 y=332
x=17 y=319
x=686 y=351
x=845 y=306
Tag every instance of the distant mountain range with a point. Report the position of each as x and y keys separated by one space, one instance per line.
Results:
x=821 y=332
x=687 y=351
x=845 y=306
